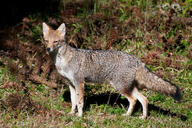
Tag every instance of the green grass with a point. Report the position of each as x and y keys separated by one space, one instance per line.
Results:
x=137 y=35
x=164 y=112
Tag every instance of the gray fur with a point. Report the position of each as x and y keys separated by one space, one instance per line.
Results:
x=99 y=66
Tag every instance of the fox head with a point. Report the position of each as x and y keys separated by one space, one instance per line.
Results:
x=53 y=38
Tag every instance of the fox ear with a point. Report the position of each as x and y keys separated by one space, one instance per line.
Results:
x=45 y=29
x=62 y=30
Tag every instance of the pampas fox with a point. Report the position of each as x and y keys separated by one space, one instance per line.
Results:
x=124 y=72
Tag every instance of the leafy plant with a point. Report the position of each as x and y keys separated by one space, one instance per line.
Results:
x=187 y=6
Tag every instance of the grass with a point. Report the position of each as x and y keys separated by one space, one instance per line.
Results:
x=163 y=110
x=139 y=31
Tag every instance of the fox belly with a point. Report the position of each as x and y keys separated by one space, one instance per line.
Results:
x=95 y=78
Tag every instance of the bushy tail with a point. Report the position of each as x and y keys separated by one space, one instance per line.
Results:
x=149 y=80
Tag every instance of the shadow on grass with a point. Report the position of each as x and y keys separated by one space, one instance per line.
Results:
x=114 y=99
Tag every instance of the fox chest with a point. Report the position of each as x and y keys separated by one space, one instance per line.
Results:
x=62 y=67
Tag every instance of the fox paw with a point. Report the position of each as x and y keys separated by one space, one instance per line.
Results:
x=142 y=117
x=126 y=114
x=71 y=113
x=79 y=114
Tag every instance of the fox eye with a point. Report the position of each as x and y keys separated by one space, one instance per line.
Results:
x=56 y=41
x=46 y=41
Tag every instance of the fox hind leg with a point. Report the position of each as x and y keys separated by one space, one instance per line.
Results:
x=132 y=97
x=132 y=101
x=143 y=100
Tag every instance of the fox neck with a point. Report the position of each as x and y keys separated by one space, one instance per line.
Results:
x=53 y=54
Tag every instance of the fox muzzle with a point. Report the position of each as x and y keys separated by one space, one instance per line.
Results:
x=48 y=49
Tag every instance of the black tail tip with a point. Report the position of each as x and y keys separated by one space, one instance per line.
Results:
x=177 y=96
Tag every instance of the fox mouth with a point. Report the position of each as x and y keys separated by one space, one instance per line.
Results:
x=53 y=49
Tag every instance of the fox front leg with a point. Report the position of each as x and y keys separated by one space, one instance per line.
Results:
x=73 y=100
x=80 y=98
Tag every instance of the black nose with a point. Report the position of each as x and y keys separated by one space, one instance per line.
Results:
x=48 y=49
